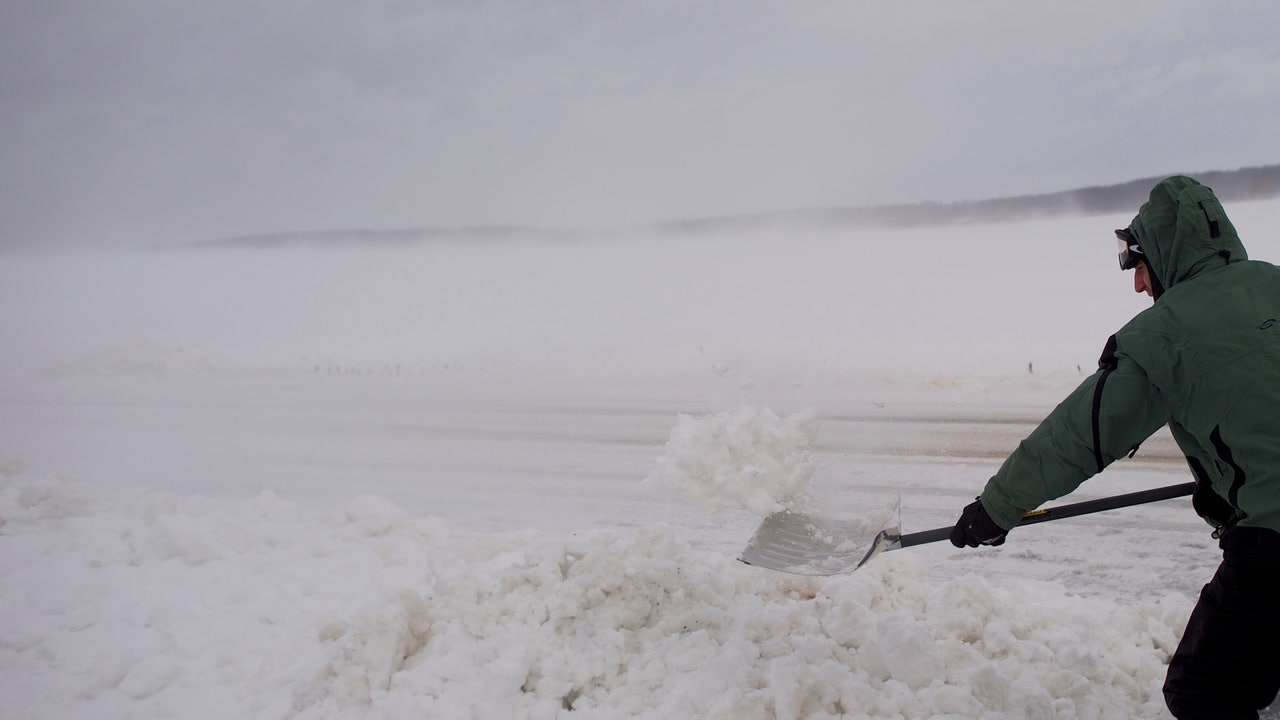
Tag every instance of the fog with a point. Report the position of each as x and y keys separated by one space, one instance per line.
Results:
x=814 y=304
x=825 y=302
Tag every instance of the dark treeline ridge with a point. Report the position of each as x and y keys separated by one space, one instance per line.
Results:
x=1254 y=183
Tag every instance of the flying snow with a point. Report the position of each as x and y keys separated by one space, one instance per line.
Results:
x=749 y=458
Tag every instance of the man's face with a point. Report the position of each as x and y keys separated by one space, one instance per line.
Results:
x=1142 y=279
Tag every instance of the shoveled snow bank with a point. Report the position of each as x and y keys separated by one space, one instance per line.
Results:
x=149 y=604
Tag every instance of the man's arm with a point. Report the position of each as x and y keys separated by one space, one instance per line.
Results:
x=1105 y=418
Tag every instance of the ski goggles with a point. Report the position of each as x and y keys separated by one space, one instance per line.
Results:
x=1130 y=251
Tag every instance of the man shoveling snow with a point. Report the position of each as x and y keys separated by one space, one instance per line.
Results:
x=1205 y=360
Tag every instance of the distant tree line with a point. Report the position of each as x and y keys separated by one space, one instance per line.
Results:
x=1254 y=183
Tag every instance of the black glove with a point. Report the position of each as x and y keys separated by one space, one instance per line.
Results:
x=976 y=527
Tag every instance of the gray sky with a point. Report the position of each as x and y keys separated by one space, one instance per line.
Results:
x=156 y=121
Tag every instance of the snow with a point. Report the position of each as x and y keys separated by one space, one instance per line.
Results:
x=748 y=458
x=512 y=480
x=155 y=604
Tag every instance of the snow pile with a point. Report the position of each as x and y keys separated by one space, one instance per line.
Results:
x=644 y=627
x=150 y=604
x=749 y=458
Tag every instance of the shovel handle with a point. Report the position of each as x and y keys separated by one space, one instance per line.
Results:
x=1065 y=511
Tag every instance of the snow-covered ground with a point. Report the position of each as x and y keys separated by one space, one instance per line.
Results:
x=511 y=480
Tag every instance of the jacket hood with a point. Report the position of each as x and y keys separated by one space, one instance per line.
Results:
x=1184 y=231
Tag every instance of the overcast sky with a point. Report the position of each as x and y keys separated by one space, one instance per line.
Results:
x=156 y=121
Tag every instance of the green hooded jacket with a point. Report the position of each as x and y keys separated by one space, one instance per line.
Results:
x=1204 y=359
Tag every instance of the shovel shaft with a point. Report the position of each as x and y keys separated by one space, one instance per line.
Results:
x=1065 y=511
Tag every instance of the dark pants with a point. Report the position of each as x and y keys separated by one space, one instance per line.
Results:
x=1228 y=663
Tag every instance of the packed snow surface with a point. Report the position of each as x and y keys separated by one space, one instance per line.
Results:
x=513 y=480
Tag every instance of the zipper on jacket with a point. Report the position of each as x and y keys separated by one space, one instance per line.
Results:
x=1108 y=364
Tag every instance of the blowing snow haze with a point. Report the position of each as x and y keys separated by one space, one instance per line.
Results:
x=154 y=123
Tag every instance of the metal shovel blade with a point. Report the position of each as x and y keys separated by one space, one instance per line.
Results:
x=801 y=544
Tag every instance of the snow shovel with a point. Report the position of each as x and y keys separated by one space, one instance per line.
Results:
x=803 y=544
